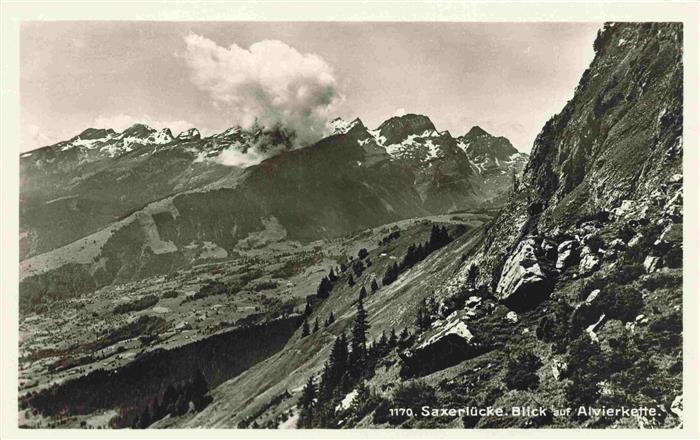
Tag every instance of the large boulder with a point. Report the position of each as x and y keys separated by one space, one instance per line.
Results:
x=526 y=277
x=590 y=261
x=441 y=348
x=567 y=254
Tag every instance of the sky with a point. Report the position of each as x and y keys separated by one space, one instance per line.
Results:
x=508 y=78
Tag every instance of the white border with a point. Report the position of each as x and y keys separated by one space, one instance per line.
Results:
x=15 y=12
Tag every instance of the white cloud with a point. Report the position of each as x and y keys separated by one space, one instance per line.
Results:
x=400 y=112
x=123 y=121
x=232 y=157
x=270 y=82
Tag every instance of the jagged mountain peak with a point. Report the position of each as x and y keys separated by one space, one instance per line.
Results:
x=137 y=130
x=479 y=144
x=162 y=136
x=398 y=128
x=343 y=126
x=95 y=133
x=190 y=134
x=477 y=131
x=231 y=131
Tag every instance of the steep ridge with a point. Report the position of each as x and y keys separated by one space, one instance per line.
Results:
x=570 y=298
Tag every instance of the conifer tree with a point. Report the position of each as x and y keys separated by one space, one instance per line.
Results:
x=351 y=281
x=330 y=320
x=374 y=286
x=306 y=404
x=382 y=344
x=404 y=338
x=358 y=343
x=338 y=360
x=332 y=276
x=346 y=382
x=420 y=316
x=363 y=292
x=324 y=288
x=327 y=386
x=315 y=325
x=393 y=339
x=472 y=275
x=325 y=410
x=392 y=272
x=308 y=309
x=305 y=329
x=358 y=267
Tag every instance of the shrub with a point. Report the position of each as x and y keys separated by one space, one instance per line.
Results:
x=139 y=304
x=674 y=257
x=414 y=394
x=583 y=389
x=212 y=288
x=665 y=334
x=620 y=302
x=521 y=373
x=265 y=285
x=585 y=367
x=554 y=326
x=669 y=323
x=661 y=280
x=625 y=232
x=595 y=243
x=627 y=273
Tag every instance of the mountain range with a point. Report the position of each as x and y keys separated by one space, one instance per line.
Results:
x=105 y=205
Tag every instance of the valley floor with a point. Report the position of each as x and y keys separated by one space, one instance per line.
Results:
x=118 y=326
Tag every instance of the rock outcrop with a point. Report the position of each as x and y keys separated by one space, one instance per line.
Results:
x=526 y=278
x=448 y=345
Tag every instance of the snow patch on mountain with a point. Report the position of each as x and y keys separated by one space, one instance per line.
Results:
x=163 y=136
x=464 y=146
x=378 y=138
x=416 y=145
x=432 y=149
x=341 y=126
x=191 y=134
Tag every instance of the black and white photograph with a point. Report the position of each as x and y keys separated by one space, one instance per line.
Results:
x=350 y=224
